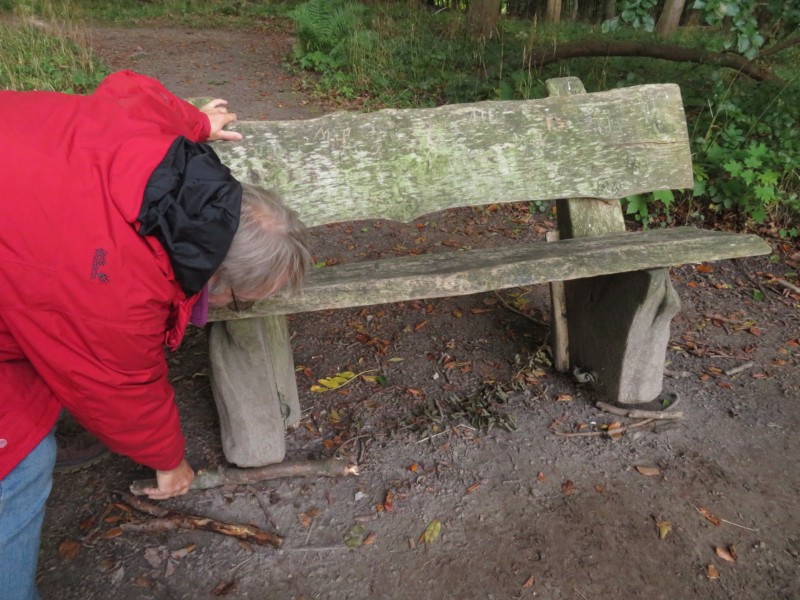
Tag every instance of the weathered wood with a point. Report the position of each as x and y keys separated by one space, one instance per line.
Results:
x=618 y=325
x=401 y=164
x=254 y=387
x=473 y=271
x=558 y=319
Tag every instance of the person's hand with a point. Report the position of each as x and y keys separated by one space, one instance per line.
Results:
x=218 y=115
x=172 y=483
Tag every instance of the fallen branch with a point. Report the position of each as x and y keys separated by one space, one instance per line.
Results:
x=608 y=432
x=639 y=414
x=169 y=520
x=588 y=48
x=225 y=476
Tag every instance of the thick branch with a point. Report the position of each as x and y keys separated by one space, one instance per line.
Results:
x=224 y=476
x=167 y=520
x=544 y=56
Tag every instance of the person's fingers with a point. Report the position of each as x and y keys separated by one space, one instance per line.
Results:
x=229 y=136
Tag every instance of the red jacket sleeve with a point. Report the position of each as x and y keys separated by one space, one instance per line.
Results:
x=145 y=97
x=113 y=379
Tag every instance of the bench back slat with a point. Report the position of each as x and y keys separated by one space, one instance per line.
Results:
x=402 y=164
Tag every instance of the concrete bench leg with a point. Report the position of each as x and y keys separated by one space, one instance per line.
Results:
x=619 y=329
x=254 y=387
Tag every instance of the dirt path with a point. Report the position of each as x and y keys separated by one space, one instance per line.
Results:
x=524 y=514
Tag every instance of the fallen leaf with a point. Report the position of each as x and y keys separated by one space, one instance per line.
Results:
x=432 y=532
x=420 y=325
x=223 y=588
x=370 y=539
x=755 y=331
x=704 y=268
x=664 y=527
x=172 y=566
x=182 y=552
x=473 y=487
x=355 y=536
x=457 y=313
x=567 y=487
x=724 y=554
x=528 y=582
x=564 y=398
x=143 y=582
x=388 y=503
x=599 y=488
x=715 y=520
x=648 y=471
x=414 y=468
x=711 y=572
x=69 y=549
x=113 y=532
x=541 y=476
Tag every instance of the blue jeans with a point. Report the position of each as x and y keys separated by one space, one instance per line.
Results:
x=23 y=494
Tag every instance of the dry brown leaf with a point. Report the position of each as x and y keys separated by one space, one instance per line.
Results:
x=711 y=572
x=648 y=471
x=567 y=487
x=704 y=268
x=113 y=532
x=715 y=520
x=564 y=398
x=473 y=487
x=69 y=549
x=528 y=582
x=370 y=539
x=724 y=554
x=541 y=476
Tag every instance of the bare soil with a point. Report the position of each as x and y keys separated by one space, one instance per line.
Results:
x=523 y=513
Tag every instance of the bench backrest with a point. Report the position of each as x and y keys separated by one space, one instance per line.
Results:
x=402 y=164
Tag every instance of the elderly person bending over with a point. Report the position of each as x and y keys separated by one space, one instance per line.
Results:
x=114 y=218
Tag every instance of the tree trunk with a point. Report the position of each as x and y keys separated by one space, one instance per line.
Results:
x=482 y=16
x=609 y=9
x=553 y=11
x=670 y=17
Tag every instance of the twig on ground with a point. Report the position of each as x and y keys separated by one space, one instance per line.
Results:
x=169 y=520
x=224 y=476
x=520 y=313
x=740 y=368
x=449 y=430
x=786 y=284
x=697 y=508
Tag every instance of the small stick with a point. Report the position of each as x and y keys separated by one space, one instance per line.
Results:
x=726 y=521
x=785 y=284
x=740 y=368
x=223 y=476
x=168 y=520
x=722 y=319
x=638 y=414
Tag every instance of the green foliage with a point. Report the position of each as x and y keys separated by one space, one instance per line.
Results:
x=748 y=158
x=743 y=23
x=638 y=13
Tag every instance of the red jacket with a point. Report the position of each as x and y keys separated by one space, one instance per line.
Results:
x=87 y=301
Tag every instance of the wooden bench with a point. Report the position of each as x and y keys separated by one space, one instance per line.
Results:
x=589 y=149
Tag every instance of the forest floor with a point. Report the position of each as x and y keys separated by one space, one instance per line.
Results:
x=523 y=513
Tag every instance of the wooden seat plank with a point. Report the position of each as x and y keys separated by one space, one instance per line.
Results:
x=472 y=271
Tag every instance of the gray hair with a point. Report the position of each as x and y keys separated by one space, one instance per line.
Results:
x=270 y=241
